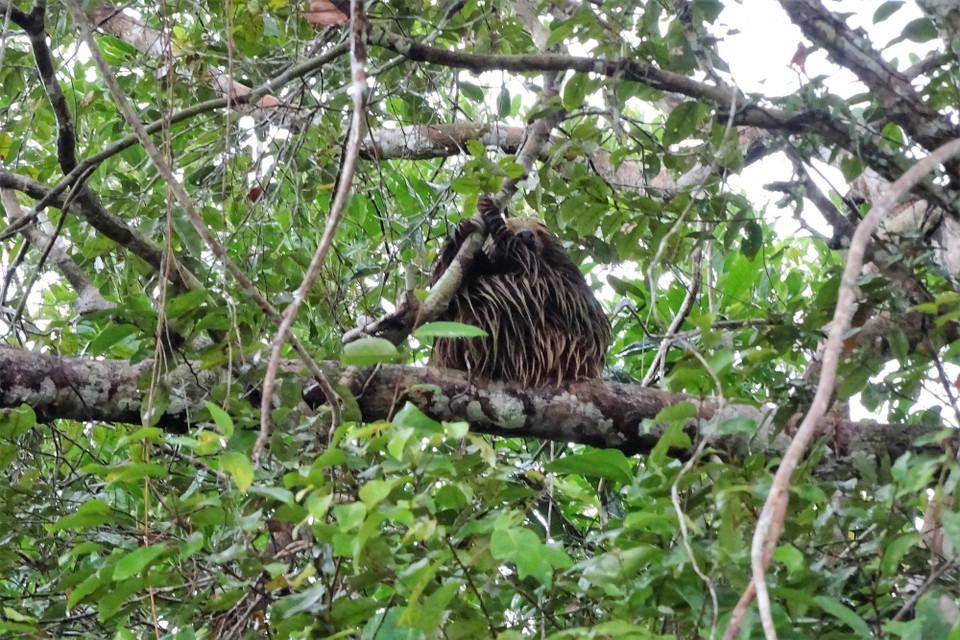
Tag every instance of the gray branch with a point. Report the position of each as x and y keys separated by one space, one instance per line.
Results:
x=594 y=412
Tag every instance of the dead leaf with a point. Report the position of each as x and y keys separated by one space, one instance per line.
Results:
x=321 y=13
x=799 y=58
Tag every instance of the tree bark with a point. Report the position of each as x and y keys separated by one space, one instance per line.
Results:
x=594 y=412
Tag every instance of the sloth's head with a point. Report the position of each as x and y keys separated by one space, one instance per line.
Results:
x=541 y=241
x=531 y=232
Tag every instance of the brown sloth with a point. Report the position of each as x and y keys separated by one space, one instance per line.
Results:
x=543 y=324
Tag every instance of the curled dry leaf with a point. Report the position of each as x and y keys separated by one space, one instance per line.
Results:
x=321 y=13
x=799 y=58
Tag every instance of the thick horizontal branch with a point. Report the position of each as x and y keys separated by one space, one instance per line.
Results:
x=747 y=112
x=596 y=412
x=419 y=142
x=855 y=137
x=625 y=68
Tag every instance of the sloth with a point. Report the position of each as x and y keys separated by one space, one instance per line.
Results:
x=544 y=326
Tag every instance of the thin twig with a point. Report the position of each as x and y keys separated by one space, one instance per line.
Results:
x=675 y=493
x=358 y=60
x=685 y=308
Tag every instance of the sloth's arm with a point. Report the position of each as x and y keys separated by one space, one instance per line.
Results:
x=509 y=253
x=481 y=263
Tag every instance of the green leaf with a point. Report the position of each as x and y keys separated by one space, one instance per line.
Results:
x=512 y=169
x=317 y=505
x=853 y=382
x=731 y=426
x=575 y=91
x=411 y=416
x=617 y=565
x=110 y=336
x=16 y=616
x=85 y=588
x=476 y=148
x=503 y=103
x=114 y=599
x=151 y=434
x=673 y=438
x=446 y=329
x=472 y=91
x=399 y=438
x=431 y=615
x=84 y=548
x=91 y=513
x=559 y=30
x=284 y=496
x=16 y=422
x=523 y=548
x=386 y=625
x=185 y=302
x=18 y=629
x=350 y=516
x=753 y=241
x=886 y=10
x=136 y=561
x=221 y=418
x=920 y=30
x=376 y=491
x=239 y=467
x=790 y=556
x=368 y=351
x=682 y=121
x=679 y=412
x=611 y=464
x=845 y=614
x=951 y=527
x=851 y=167
x=894 y=551
x=937 y=614
x=128 y=471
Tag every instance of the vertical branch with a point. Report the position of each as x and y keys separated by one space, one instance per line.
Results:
x=358 y=60
x=770 y=522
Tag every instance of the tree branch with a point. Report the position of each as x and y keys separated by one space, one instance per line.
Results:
x=88 y=296
x=852 y=50
x=770 y=522
x=88 y=204
x=593 y=412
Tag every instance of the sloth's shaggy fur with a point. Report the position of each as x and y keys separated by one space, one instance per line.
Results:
x=543 y=323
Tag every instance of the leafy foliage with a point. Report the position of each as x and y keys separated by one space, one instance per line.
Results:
x=410 y=528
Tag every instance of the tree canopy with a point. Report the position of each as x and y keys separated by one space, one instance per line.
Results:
x=217 y=414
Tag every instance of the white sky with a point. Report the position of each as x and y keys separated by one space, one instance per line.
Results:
x=759 y=59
